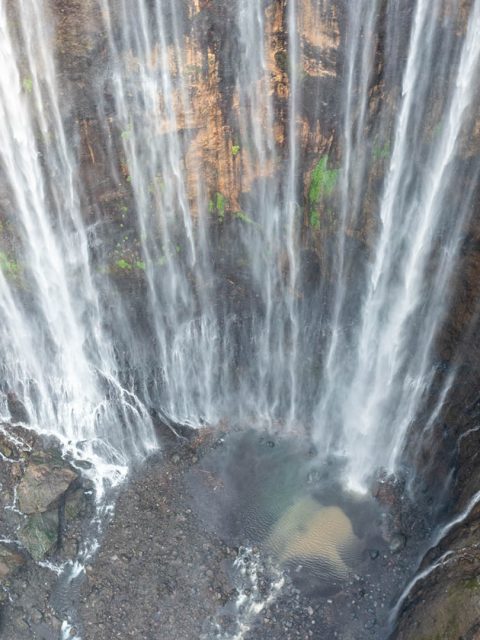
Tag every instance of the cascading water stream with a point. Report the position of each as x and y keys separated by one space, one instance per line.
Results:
x=400 y=318
x=55 y=353
x=286 y=353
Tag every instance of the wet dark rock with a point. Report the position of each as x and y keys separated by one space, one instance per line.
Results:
x=8 y=448
x=18 y=412
x=171 y=433
x=445 y=605
x=159 y=573
x=160 y=560
x=75 y=504
x=163 y=557
x=43 y=632
x=32 y=463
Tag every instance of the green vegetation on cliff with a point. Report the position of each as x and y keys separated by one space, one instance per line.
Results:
x=218 y=205
x=240 y=215
x=27 y=84
x=382 y=152
x=322 y=185
x=8 y=266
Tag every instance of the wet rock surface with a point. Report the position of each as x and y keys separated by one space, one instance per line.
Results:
x=444 y=600
x=159 y=572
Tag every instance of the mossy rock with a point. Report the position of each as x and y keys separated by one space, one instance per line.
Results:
x=7 y=448
x=40 y=534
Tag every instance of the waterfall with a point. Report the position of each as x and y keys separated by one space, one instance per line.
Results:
x=56 y=355
x=296 y=305
x=404 y=301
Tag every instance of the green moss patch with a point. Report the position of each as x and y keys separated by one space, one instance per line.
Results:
x=218 y=205
x=382 y=152
x=323 y=182
x=8 y=266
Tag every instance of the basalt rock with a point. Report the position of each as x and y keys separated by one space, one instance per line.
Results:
x=446 y=605
x=10 y=561
x=18 y=411
x=45 y=481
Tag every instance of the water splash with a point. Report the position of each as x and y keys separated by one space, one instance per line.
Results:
x=258 y=586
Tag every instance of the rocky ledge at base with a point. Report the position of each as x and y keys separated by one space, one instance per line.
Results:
x=165 y=572
x=45 y=508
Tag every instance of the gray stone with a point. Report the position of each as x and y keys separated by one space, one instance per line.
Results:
x=398 y=542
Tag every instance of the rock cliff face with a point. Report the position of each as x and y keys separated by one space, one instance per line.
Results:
x=220 y=173
x=446 y=602
x=207 y=119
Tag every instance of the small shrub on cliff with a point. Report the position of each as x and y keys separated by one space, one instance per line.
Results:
x=322 y=182
x=8 y=266
x=27 y=85
x=218 y=205
x=322 y=185
x=123 y=264
x=382 y=152
x=243 y=217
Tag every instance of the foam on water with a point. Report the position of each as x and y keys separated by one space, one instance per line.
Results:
x=249 y=574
